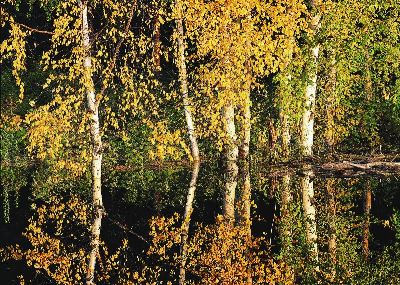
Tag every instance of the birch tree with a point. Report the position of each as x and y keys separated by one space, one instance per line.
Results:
x=237 y=42
x=93 y=110
x=183 y=80
x=307 y=127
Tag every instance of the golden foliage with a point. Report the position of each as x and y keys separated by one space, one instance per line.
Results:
x=237 y=43
x=57 y=249
x=218 y=254
x=13 y=48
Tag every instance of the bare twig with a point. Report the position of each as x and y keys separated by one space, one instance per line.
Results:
x=36 y=30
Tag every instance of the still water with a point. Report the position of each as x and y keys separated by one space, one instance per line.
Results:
x=302 y=229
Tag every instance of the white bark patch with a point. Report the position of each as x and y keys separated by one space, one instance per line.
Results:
x=307 y=186
x=231 y=154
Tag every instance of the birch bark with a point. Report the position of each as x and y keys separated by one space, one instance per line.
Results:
x=231 y=155
x=93 y=110
x=186 y=221
x=181 y=64
x=307 y=127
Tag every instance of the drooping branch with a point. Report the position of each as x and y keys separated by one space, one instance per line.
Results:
x=111 y=66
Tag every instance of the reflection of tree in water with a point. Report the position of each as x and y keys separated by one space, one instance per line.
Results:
x=232 y=253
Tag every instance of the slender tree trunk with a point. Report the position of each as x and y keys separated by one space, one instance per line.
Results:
x=93 y=110
x=284 y=118
x=286 y=200
x=330 y=106
x=244 y=150
x=307 y=186
x=156 y=38
x=307 y=128
x=231 y=154
x=246 y=127
x=285 y=134
x=368 y=78
x=181 y=64
x=245 y=197
x=186 y=221
x=245 y=211
x=367 y=214
x=332 y=244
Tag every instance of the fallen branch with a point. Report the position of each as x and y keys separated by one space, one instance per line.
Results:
x=379 y=164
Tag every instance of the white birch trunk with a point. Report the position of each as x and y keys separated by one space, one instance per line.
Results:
x=186 y=221
x=307 y=186
x=181 y=64
x=231 y=154
x=307 y=127
x=93 y=110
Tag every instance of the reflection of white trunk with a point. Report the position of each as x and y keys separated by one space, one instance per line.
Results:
x=186 y=221
x=231 y=154
x=367 y=212
x=93 y=110
x=181 y=64
x=307 y=128
x=307 y=186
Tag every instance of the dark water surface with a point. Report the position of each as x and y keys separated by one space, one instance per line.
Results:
x=357 y=214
